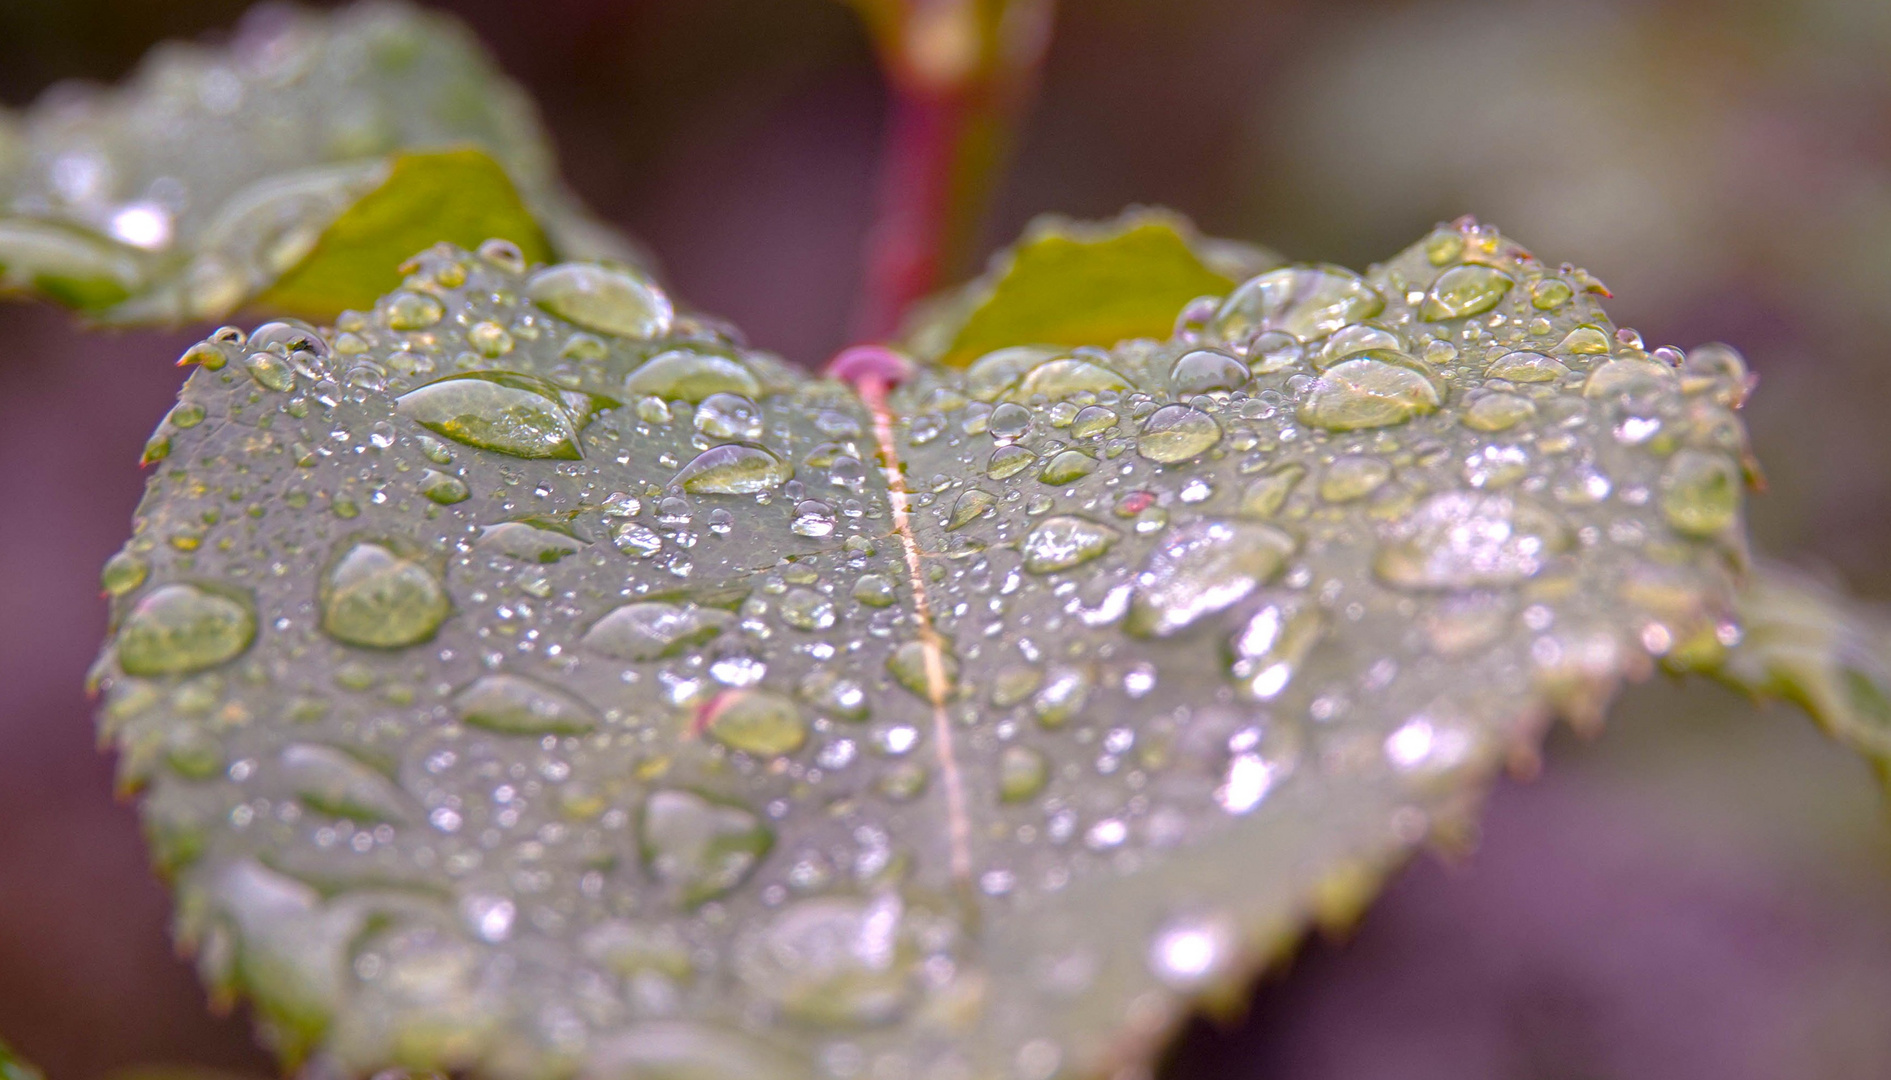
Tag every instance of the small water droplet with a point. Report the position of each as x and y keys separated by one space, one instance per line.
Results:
x=122 y=573
x=806 y=609
x=1066 y=541
x=1497 y=412
x=700 y=848
x=1188 y=953
x=971 y=505
x=413 y=311
x=1008 y=421
x=757 y=722
x=909 y=665
x=729 y=416
x=1353 y=476
x=875 y=590
x=1022 y=773
x=651 y=630
x=442 y=488
x=1008 y=461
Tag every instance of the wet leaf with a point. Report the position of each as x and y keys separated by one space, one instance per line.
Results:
x=452 y=196
x=1070 y=283
x=685 y=739
x=213 y=172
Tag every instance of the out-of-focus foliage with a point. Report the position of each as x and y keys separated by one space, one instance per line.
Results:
x=214 y=172
x=572 y=692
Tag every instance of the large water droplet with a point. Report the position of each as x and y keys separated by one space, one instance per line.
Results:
x=729 y=416
x=514 y=705
x=757 y=722
x=1175 y=433
x=1700 y=492
x=1306 y=301
x=1368 y=392
x=180 y=628
x=1067 y=467
x=1463 y=291
x=911 y=666
x=1067 y=378
x=1065 y=541
x=377 y=597
x=1498 y=412
x=612 y=300
x=969 y=507
x=1202 y=568
x=806 y=609
x=1526 y=367
x=733 y=469
x=1350 y=341
x=1464 y=540
x=680 y=375
x=538 y=540
x=500 y=410
x=993 y=373
x=122 y=573
x=1204 y=371
x=834 y=960
x=1022 y=773
x=651 y=630
x=697 y=847
x=1263 y=658
x=330 y=781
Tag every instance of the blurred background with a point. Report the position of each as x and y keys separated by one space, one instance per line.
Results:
x=1705 y=892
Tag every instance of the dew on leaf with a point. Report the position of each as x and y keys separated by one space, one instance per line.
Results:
x=1584 y=341
x=1700 y=492
x=1203 y=371
x=1068 y=466
x=1523 y=366
x=1202 y=568
x=1463 y=291
x=875 y=590
x=806 y=609
x=652 y=629
x=1022 y=773
x=681 y=375
x=1008 y=421
x=969 y=507
x=1267 y=652
x=602 y=298
x=724 y=415
x=910 y=665
x=1264 y=497
x=733 y=469
x=1092 y=420
x=1061 y=696
x=1350 y=341
x=1067 y=378
x=1008 y=461
x=413 y=311
x=1368 y=392
x=697 y=847
x=179 y=628
x=1188 y=953
x=377 y=597
x=835 y=961
x=443 y=488
x=1464 y=540
x=1175 y=433
x=122 y=573
x=1066 y=541
x=331 y=782
x=757 y=722
x=500 y=411
x=1353 y=476
x=1305 y=301
x=1498 y=412
x=516 y=705
x=534 y=541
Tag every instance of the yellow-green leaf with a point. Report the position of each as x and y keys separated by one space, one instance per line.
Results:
x=1070 y=284
x=457 y=196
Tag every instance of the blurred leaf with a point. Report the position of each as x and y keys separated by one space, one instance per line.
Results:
x=1069 y=284
x=567 y=701
x=12 y=1068
x=191 y=189
x=453 y=196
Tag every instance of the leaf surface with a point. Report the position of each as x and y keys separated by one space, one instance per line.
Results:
x=1070 y=283
x=213 y=172
x=524 y=681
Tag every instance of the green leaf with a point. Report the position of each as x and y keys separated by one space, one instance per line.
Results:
x=555 y=701
x=1073 y=283
x=457 y=197
x=212 y=172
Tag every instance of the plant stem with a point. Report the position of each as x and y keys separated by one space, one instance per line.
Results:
x=960 y=73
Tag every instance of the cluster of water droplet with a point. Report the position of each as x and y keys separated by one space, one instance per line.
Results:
x=214 y=170
x=523 y=673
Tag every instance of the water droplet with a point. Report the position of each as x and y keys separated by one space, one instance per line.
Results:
x=331 y=782
x=122 y=573
x=1700 y=492
x=538 y=540
x=680 y=375
x=1065 y=541
x=1463 y=291
x=806 y=609
x=489 y=339
x=1526 y=367
x=499 y=410
x=1465 y=540
x=413 y=311
x=834 y=695
x=1201 y=568
x=1628 y=376
x=442 y=488
x=733 y=469
x=1498 y=412
x=270 y=371
x=1350 y=341
x=1204 y=371
x=1189 y=953
x=1008 y=461
x=1584 y=341
x=514 y=705
x=757 y=722
x=1059 y=379
x=1022 y=773
x=910 y=667
x=970 y=506
x=1067 y=467
x=697 y=847
x=651 y=630
x=1548 y=294
x=634 y=539
x=1353 y=476
x=1008 y=421
x=377 y=597
x=813 y=518
x=1092 y=420
x=875 y=590
x=179 y=628
x=834 y=960
x=1175 y=433
x=729 y=416
x=1305 y=301
x=1369 y=392
x=1264 y=497
x=1263 y=658
x=1061 y=696
x=607 y=299
x=1274 y=351
x=992 y=374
